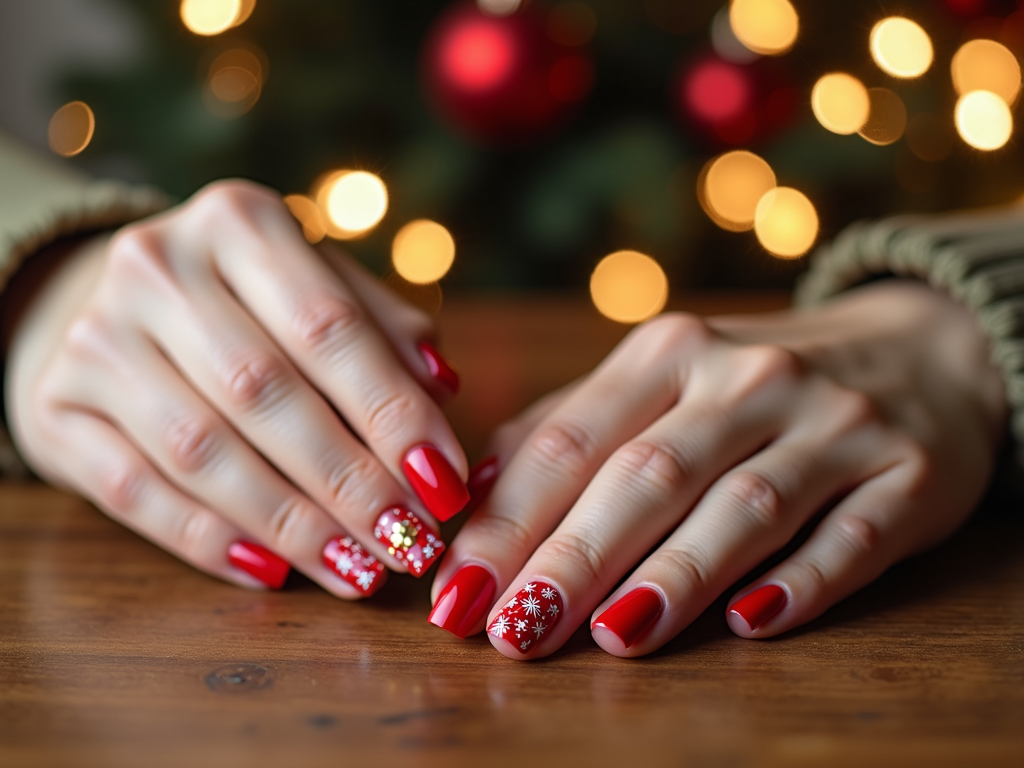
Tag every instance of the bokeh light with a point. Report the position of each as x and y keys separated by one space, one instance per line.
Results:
x=985 y=65
x=629 y=287
x=983 y=120
x=309 y=215
x=211 y=17
x=840 y=102
x=930 y=137
x=423 y=251
x=234 y=82
x=725 y=42
x=716 y=91
x=887 y=119
x=479 y=56
x=901 y=47
x=786 y=223
x=353 y=202
x=572 y=23
x=767 y=27
x=499 y=7
x=730 y=187
x=71 y=128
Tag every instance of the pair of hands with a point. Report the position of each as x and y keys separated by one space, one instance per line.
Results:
x=247 y=403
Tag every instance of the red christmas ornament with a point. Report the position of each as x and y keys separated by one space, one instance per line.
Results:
x=502 y=78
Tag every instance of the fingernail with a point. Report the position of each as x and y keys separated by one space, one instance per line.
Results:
x=464 y=602
x=482 y=478
x=760 y=606
x=529 y=616
x=630 y=617
x=354 y=564
x=409 y=541
x=439 y=367
x=436 y=484
x=259 y=562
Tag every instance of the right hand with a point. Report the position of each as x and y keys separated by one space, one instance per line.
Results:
x=210 y=380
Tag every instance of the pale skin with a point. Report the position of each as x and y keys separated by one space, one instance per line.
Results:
x=184 y=375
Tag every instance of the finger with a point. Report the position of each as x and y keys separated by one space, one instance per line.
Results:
x=111 y=472
x=322 y=326
x=851 y=547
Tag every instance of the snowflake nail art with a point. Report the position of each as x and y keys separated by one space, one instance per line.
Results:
x=527 y=617
x=354 y=564
x=408 y=540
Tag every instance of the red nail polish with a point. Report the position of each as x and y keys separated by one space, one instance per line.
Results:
x=632 y=616
x=259 y=562
x=439 y=367
x=482 y=478
x=438 y=486
x=348 y=559
x=464 y=602
x=760 y=606
x=408 y=540
x=529 y=616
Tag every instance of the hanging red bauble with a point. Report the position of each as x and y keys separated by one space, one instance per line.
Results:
x=502 y=78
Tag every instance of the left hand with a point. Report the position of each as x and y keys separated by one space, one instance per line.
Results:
x=699 y=449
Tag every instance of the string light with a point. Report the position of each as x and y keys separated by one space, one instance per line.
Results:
x=628 y=287
x=499 y=7
x=840 y=102
x=353 y=202
x=768 y=27
x=423 y=251
x=786 y=223
x=887 y=119
x=983 y=120
x=901 y=47
x=308 y=214
x=730 y=187
x=71 y=128
x=211 y=17
x=985 y=65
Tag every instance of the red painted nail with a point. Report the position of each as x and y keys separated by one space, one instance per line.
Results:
x=354 y=564
x=529 y=616
x=464 y=602
x=408 y=540
x=760 y=606
x=438 y=486
x=259 y=562
x=631 y=617
x=439 y=367
x=482 y=478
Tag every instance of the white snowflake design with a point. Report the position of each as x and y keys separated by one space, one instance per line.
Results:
x=366 y=579
x=538 y=629
x=500 y=626
x=428 y=552
x=522 y=625
x=512 y=603
x=552 y=610
x=344 y=565
x=531 y=606
x=524 y=645
x=528 y=589
x=548 y=593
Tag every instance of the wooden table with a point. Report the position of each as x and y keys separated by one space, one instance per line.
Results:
x=113 y=653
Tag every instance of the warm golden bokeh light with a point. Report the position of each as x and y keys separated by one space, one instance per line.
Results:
x=71 y=128
x=629 y=287
x=308 y=214
x=901 y=47
x=498 y=7
x=354 y=202
x=887 y=120
x=983 y=120
x=767 y=27
x=840 y=102
x=786 y=223
x=731 y=186
x=423 y=251
x=234 y=83
x=211 y=17
x=985 y=65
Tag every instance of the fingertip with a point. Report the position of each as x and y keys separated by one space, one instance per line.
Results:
x=757 y=612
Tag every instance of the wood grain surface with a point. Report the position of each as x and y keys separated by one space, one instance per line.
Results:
x=113 y=653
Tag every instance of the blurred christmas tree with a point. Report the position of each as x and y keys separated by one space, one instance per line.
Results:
x=545 y=135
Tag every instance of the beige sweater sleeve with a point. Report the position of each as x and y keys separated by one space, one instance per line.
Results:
x=975 y=256
x=42 y=200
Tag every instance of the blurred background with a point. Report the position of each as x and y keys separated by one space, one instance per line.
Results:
x=621 y=149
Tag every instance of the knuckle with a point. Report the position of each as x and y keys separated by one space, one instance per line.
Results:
x=767 y=363
x=755 y=497
x=814 y=575
x=391 y=414
x=509 y=531
x=255 y=381
x=192 y=531
x=136 y=252
x=327 y=322
x=192 y=442
x=290 y=524
x=687 y=564
x=233 y=196
x=88 y=336
x=580 y=553
x=346 y=482
x=861 y=536
x=670 y=331
x=121 y=487
x=658 y=464
x=566 y=445
x=854 y=410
